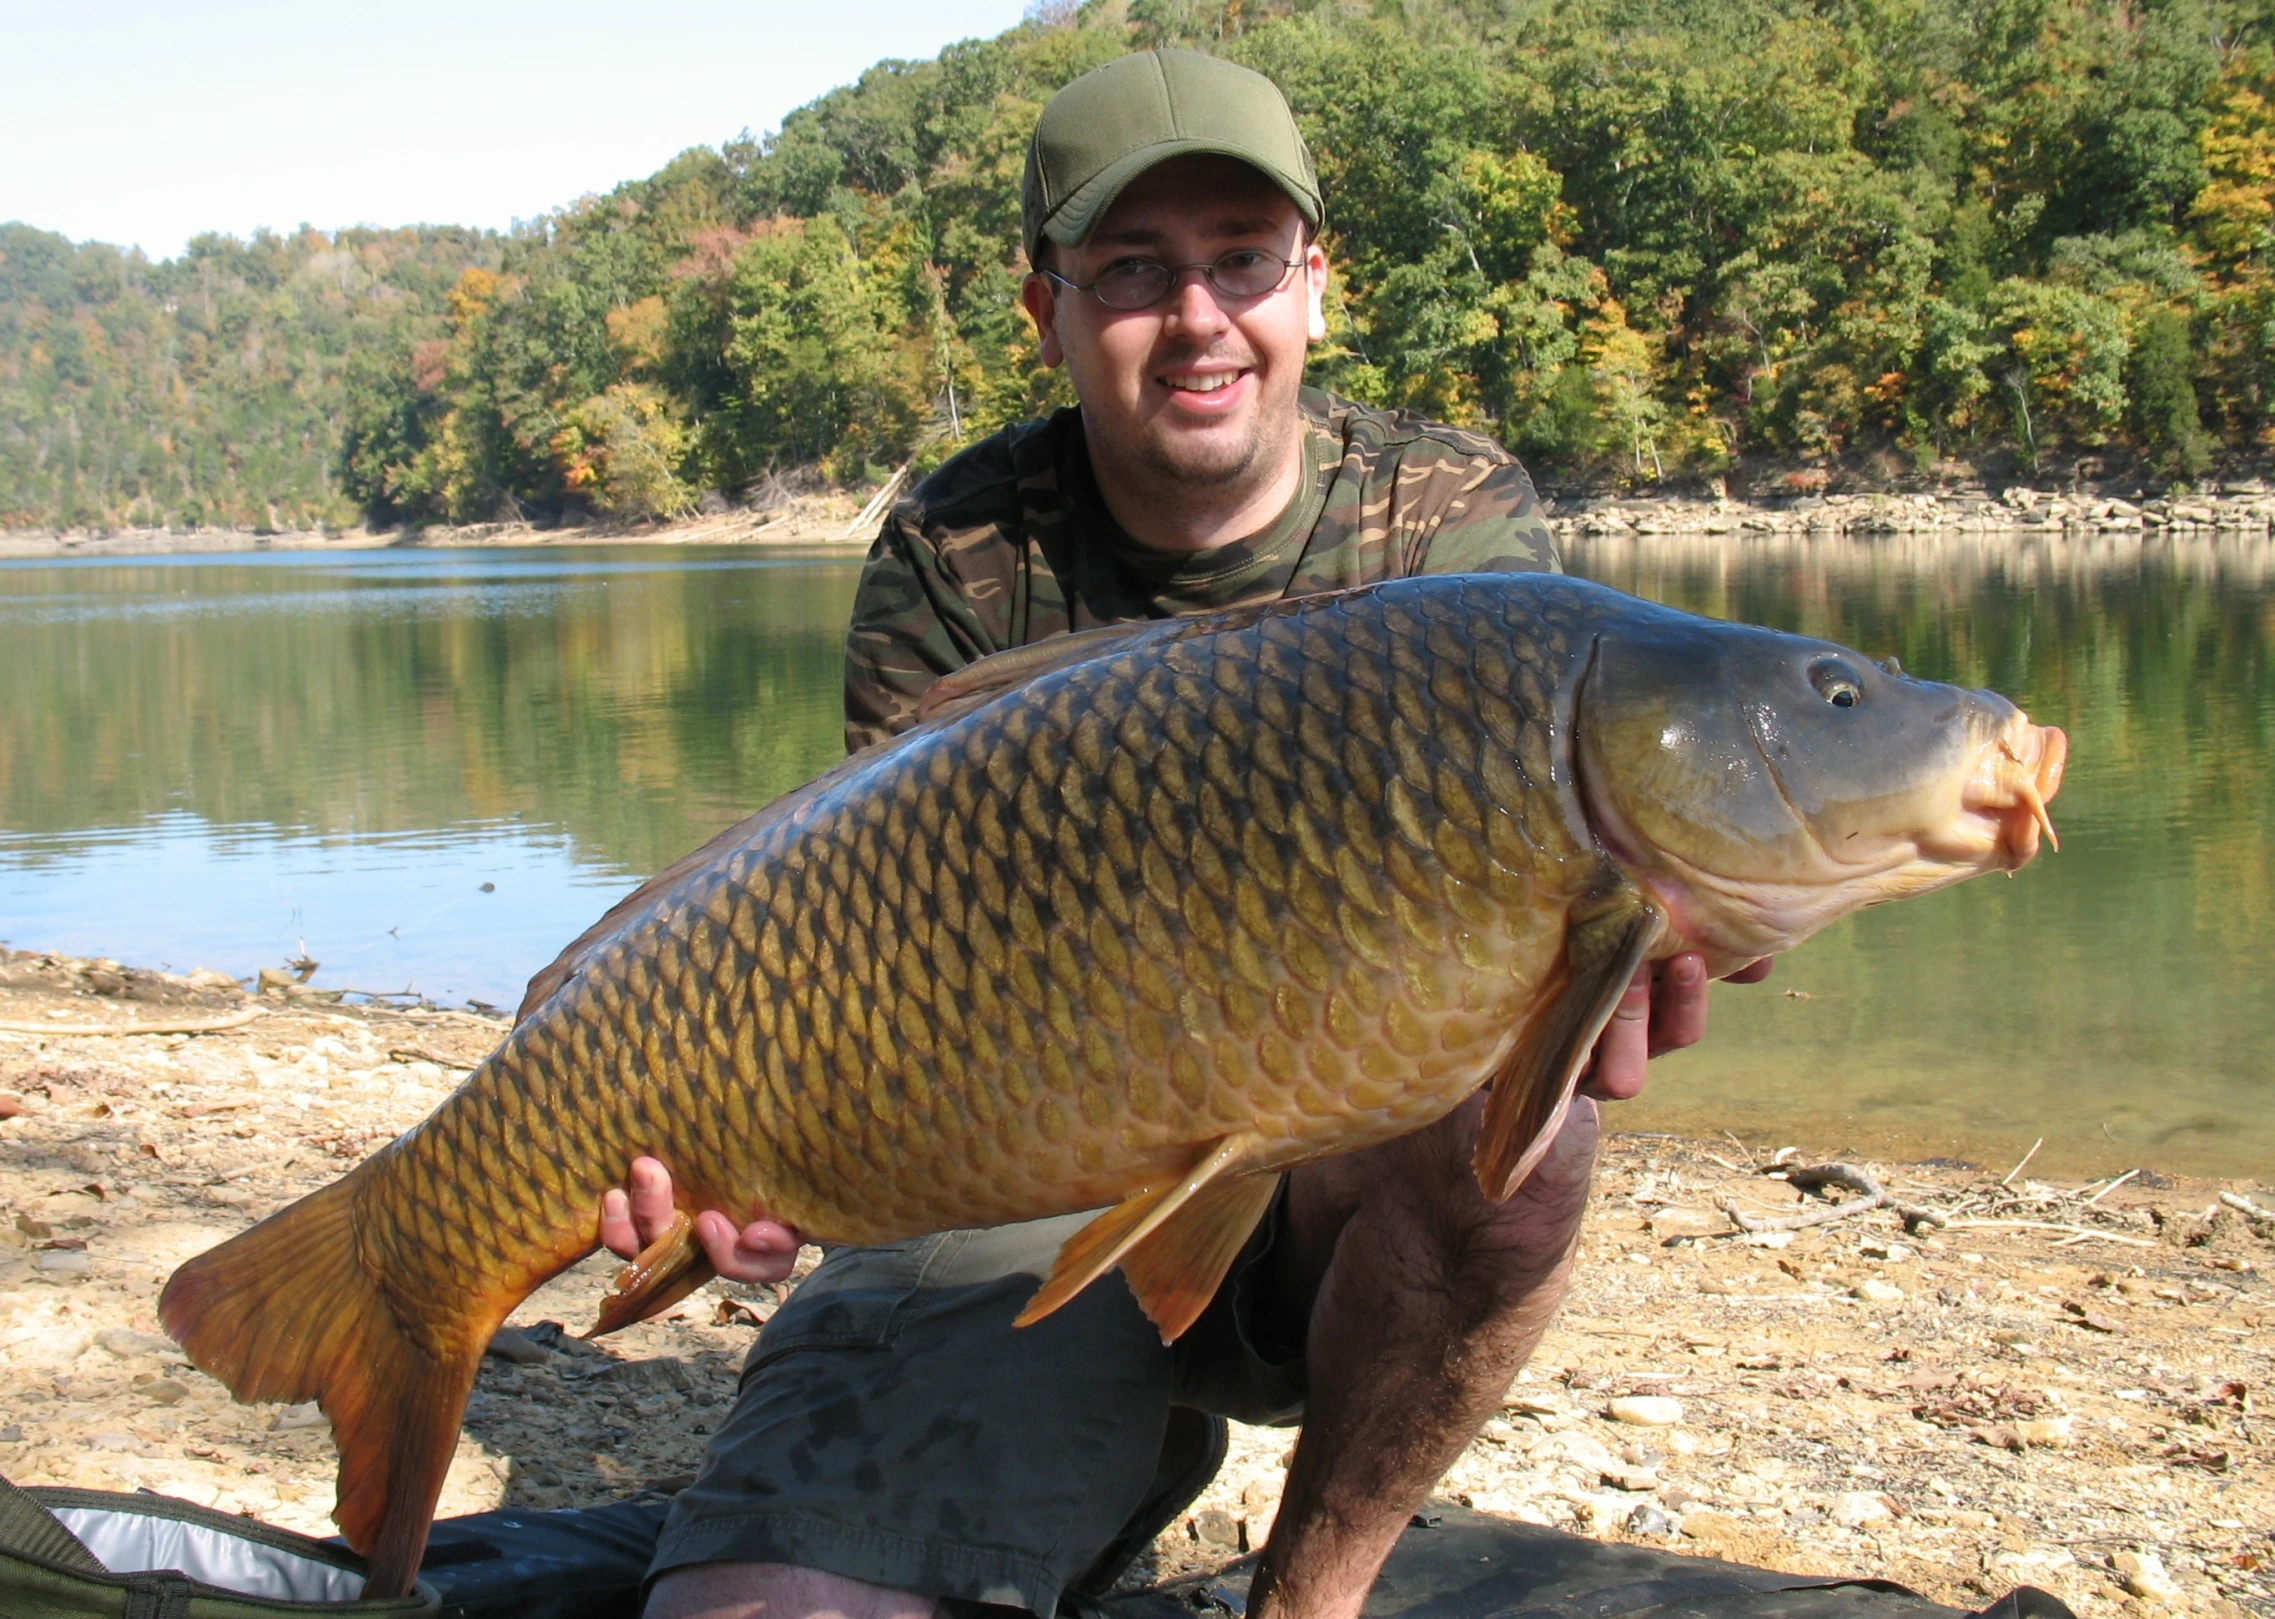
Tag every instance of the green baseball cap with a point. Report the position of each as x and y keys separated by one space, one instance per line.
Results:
x=1115 y=122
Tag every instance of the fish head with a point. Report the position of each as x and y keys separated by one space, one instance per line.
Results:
x=1761 y=785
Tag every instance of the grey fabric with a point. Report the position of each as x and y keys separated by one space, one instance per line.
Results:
x=893 y=1426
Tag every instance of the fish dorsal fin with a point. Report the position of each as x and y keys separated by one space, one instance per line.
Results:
x=998 y=672
x=1106 y=1241
x=1532 y=1089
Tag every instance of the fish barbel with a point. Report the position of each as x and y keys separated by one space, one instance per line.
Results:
x=1135 y=919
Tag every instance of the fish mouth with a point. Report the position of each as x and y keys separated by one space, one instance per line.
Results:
x=2003 y=805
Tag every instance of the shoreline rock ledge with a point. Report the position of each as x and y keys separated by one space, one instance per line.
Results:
x=2238 y=509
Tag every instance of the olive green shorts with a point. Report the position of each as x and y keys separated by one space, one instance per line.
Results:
x=895 y=1427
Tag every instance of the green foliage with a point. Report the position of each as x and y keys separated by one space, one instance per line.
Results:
x=1633 y=237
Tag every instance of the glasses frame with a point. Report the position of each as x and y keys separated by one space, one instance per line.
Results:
x=1176 y=274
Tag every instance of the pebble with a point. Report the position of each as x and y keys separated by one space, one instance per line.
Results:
x=1853 y=1509
x=517 y=1347
x=2053 y=1433
x=1874 y=1291
x=126 y=1343
x=64 y=1262
x=1649 y=1519
x=291 y=1417
x=1216 y=1527
x=1647 y=1410
x=2142 y=1573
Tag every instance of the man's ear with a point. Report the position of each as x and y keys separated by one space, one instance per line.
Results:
x=1315 y=292
x=1039 y=295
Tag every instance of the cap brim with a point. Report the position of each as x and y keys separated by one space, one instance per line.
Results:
x=1071 y=223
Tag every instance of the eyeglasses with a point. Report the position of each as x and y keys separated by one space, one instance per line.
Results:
x=1245 y=272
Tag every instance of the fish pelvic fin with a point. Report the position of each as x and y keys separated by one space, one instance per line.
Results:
x=289 y=1311
x=1177 y=1270
x=1533 y=1088
x=1114 y=1236
x=658 y=1277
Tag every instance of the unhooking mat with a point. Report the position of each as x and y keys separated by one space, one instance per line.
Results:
x=64 y=1555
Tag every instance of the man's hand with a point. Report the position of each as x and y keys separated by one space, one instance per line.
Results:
x=1663 y=1010
x=763 y=1251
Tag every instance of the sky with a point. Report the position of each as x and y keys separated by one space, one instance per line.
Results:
x=144 y=124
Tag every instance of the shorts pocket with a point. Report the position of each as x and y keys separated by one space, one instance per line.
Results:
x=859 y=1298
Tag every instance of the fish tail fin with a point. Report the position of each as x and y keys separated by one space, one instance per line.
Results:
x=289 y=1311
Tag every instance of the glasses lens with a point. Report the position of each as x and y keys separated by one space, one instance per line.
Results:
x=1132 y=284
x=1247 y=273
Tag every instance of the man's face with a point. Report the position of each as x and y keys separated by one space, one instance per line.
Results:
x=1201 y=387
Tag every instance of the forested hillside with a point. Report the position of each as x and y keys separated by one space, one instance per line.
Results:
x=1637 y=238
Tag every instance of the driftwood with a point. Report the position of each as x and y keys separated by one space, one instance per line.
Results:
x=235 y=1020
x=1815 y=1178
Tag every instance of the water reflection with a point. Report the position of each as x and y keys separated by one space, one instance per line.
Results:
x=204 y=760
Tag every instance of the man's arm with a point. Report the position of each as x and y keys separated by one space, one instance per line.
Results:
x=915 y=618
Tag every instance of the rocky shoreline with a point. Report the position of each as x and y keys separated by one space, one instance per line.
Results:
x=2241 y=508
x=1986 y=1380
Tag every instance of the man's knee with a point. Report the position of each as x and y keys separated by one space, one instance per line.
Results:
x=777 y=1591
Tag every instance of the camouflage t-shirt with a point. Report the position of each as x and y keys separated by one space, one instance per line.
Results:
x=1010 y=543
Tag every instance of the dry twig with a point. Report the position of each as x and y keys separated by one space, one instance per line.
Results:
x=1815 y=1179
x=235 y=1020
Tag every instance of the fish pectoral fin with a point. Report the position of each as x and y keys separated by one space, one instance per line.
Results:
x=1532 y=1089
x=1104 y=1243
x=1177 y=1270
x=658 y=1277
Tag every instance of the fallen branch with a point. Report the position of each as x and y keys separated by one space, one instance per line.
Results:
x=2075 y=1231
x=235 y=1020
x=1817 y=1177
x=2111 y=1187
x=2008 y=1179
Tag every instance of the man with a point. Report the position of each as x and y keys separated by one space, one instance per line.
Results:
x=897 y=1442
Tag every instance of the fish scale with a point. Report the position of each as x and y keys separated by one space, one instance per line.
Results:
x=1141 y=919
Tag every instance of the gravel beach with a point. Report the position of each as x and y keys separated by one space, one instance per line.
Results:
x=1986 y=1380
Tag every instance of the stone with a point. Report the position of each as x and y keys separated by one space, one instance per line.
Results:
x=1874 y=1291
x=294 y=1417
x=1634 y=1479
x=126 y=1343
x=63 y=1262
x=2051 y=1433
x=1853 y=1509
x=165 y=1391
x=2143 y=1574
x=1216 y=1527
x=1647 y=1410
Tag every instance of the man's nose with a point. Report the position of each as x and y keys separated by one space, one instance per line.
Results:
x=1192 y=304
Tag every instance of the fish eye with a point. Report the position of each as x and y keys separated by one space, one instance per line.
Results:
x=1836 y=682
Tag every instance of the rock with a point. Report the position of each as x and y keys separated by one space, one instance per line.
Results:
x=1853 y=1509
x=11 y=1105
x=1636 y=1479
x=1892 y=1253
x=1651 y=1519
x=210 y=978
x=13 y=1434
x=1874 y=1291
x=1534 y=1403
x=2142 y=1573
x=62 y=1262
x=294 y=1417
x=2052 y=1433
x=276 y=978
x=126 y=1343
x=1216 y=1527
x=1647 y=1410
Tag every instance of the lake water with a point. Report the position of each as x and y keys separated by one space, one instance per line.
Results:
x=435 y=767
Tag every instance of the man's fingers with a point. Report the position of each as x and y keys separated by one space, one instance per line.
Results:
x=651 y=1199
x=1625 y=1045
x=616 y=1233
x=763 y=1251
x=1678 y=1003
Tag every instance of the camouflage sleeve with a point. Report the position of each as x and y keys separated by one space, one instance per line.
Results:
x=912 y=623
x=1494 y=523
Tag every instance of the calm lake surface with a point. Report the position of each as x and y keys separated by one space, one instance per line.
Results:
x=436 y=767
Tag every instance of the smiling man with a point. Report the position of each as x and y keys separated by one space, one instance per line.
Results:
x=897 y=1443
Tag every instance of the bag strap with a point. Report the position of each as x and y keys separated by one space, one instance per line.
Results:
x=29 y=1528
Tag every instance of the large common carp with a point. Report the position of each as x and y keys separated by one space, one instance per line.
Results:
x=1135 y=918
